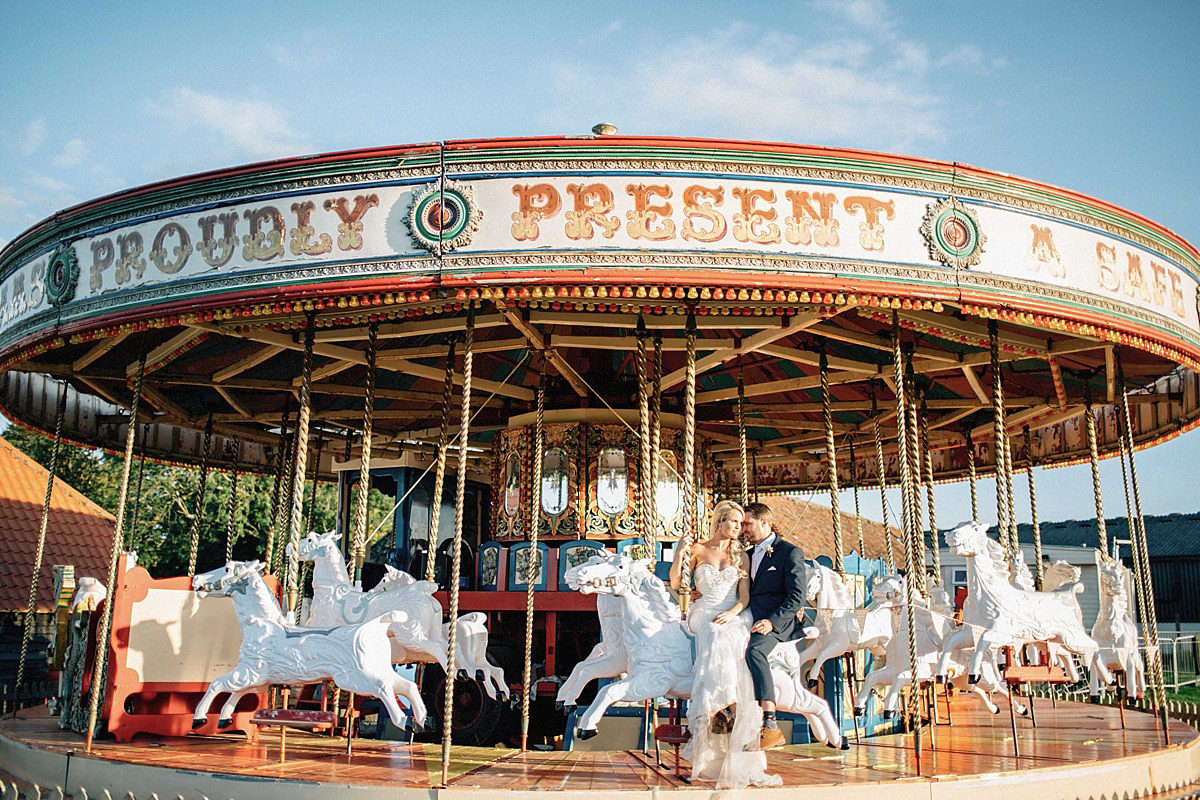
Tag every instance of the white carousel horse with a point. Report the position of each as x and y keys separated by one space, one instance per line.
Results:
x=356 y=656
x=1115 y=631
x=933 y=621
x=419 y=635
x=840 y=628
x=658 y=649
x=609 y=657
x=998 y=613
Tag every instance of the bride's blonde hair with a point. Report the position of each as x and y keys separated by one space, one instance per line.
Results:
x=722 y=511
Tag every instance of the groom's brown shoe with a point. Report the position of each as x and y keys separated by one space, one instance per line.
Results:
x=770 y=737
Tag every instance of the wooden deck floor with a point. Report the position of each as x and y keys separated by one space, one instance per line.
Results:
x=978 y=744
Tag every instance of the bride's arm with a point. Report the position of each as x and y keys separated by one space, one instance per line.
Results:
x=743 y=594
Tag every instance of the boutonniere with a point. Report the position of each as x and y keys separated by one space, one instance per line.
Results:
x=770 y=550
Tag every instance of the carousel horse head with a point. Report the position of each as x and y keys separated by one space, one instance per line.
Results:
x=608 y=573
x=968 y=539
x=228 y=579
x=824 y=588
x=1060 y=573
x=888 y=590
x=1112 y=578
x=308 y=547
x=395 y=579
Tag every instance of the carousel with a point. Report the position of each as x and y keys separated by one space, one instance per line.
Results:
x=554 y=356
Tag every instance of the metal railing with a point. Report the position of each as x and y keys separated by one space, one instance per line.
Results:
x=1180 y=655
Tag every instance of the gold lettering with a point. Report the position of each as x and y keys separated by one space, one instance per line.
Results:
x=807 y=225
x=593 y=204
x=129 y=245
x=158 y=252
x=217 y=252
x=1176 y=294
x=748 y=224
x=263 y=245
x=1159 y=285
x=1134 y=279
x=302 y=243
x=643 y=217
x=1106 y=266
x=350 y=228
x=102 y=258
x=535 y=202
x=870 y=234
x=699 y=202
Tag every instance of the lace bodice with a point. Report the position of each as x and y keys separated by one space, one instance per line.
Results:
x=718 y=588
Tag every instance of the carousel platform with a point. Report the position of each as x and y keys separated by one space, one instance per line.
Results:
x=1076 y=751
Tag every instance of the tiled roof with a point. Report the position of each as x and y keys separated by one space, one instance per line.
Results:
x=1168 y=536
x=810 y=525
x=79 y=532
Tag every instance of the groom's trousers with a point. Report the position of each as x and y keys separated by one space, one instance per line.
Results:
x=757 y=651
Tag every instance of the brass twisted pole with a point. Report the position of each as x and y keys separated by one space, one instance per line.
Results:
x=1143 y=554
x=880 y=468
x=742 y=450
x=911 y=587
x=999 y=435
x=101 y=659
x=839 y=563
x=644 y=433
x=972 y=476
x=201 y=490
x=279 y=568
x=1139 y=578
x=292 y=574
x=231 y=531
x=534 y=555
x=364 y=462
x=857 y=506
x=914 y=457
x=277 y=491
x=456 y=552
x=655 y=445
x=1039 y=571
x=39 y=555
x=1094 y=460
x=689 y=464
x=934 y=538
x=1009 y=493
x=131 y=538
x=439 y=473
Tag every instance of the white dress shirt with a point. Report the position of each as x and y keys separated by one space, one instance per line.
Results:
x=760 y=550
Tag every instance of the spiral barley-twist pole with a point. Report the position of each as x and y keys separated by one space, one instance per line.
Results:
x=460 y=500
x=934 y=538
x=972 y=476
x=655 y=445
x=911 y=588
x=689 y=464
x=644 y=434
x=439 y=473
x=101 y=659
x=231 y=531
x=880 y=469
x=296 y=519
x=277 y=492
x=999 y=434
x=839 y=563
x=539 y=434
x=31 y=609
x=358 y=551
x=1039 y=571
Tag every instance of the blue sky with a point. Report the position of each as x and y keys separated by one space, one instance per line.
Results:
x=1100 y=97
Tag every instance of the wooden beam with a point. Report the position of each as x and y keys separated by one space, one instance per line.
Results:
x=882 y=343
x=627 y=343
x=244 y=412
x=164 y=404
x=100 y=349
x=976 y=386
x=159 y=353
x=248 y=362
x=653 y=322
x=1110 y=372
x=439 y=350
x=814 y=359
x=748 y=345
x=357 y=357
x=774 y=387
x=99 y=389
x=541 y=343
x=401 y=330
x=326 y=370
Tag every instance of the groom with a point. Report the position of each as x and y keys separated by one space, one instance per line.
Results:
x=776 y=595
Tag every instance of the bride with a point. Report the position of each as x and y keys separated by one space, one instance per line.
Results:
x=723 y=717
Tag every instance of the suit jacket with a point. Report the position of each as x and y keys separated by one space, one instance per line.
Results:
x=777 y=589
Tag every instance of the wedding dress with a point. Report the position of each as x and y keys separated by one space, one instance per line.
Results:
x=732 y=760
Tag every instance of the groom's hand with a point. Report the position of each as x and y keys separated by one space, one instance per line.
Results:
x=762 y=626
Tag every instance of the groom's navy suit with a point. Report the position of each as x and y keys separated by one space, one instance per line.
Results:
x=777 y=595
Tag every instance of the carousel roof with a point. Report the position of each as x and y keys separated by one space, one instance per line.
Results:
x=79 y=532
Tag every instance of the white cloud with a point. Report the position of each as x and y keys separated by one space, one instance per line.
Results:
x=33 y=137
x=853 y=79
x=72 y=154
x=256 y=128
